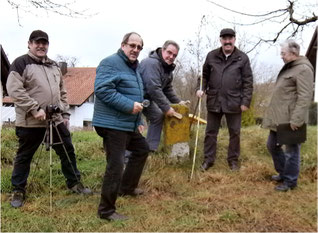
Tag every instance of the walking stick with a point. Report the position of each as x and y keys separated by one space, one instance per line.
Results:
x=197 y=133
x=195 y=111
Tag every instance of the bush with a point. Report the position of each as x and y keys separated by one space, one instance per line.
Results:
x=248 y=117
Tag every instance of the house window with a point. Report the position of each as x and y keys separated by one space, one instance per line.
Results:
x=90 y=99
x=87 y=124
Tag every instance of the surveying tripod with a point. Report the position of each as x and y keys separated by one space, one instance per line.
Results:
x=48 y=142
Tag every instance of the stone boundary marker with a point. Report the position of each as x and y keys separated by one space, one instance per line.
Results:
x=177 y=134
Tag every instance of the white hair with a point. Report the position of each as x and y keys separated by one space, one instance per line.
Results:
x=291 y=47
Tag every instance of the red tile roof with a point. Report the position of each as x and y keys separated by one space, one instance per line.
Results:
x=79 y=84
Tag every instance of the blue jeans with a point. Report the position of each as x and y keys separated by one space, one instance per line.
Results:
x=156 y=118
x=286 y=162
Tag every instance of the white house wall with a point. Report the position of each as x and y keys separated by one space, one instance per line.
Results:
x=81 y=114
x=78 y=114
x=7 y=114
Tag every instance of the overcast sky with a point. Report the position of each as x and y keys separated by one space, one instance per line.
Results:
x=92 y=39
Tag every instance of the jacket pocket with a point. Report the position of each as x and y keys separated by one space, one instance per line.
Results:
x=211 y=97
x=234 y=101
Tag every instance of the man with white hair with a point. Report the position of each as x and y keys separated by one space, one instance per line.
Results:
x=289 y=105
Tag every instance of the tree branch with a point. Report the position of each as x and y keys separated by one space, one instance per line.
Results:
x=270 y=16
x=246 y=14
x=48 y=6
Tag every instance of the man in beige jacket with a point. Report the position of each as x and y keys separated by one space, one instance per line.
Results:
x=35 y=84
x=290 y=102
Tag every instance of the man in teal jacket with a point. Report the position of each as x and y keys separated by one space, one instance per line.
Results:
x=117 y=119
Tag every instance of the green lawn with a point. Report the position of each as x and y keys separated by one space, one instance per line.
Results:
x=218 y=200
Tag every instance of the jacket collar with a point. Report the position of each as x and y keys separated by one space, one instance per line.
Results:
x=133 y=65
x=233 y=55
x=301 y=60
x=44 y=61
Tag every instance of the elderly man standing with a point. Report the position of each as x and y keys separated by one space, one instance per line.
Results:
x=289 y=104
x=156 y=72
x=117 y=119
x=35 y=84
x=228 y=84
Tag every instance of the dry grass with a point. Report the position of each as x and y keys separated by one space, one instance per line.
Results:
x=218 y=200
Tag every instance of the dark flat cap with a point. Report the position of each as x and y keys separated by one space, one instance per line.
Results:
x=227 y=32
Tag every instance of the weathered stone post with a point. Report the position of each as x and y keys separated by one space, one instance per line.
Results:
x=177 y=134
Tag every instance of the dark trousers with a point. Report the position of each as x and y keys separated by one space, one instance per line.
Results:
x=286 y=163
x=212 y=129
x=116 y=178
x=29 y=141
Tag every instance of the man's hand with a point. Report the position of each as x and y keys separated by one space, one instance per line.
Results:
x=184 y=102
x=244 y=108
x=199 y=93
x=40 y=115
x=137 y=108
x=141 y=128
x=66 y=122
x=170 y=112
x=293 y=127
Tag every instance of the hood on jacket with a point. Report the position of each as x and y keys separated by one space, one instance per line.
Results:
x=157 y=54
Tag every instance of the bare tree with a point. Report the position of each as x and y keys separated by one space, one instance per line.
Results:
x=189 y=66
x=71 y=61
x=48 y=6
x=292 y=19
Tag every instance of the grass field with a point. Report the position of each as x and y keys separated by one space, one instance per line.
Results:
x=218 y=200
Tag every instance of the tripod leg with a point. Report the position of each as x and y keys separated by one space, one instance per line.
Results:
x=51 y=165
x=66 y=153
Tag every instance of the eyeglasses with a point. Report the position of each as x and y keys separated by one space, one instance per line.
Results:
x=133 y=46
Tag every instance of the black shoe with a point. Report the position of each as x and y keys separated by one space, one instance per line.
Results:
x=80 y=189
x=136 y=192
x=205 y=166
x=17 y=199
x=277 y=178
x=234 y=166
x=114 y=217
x=284 y=188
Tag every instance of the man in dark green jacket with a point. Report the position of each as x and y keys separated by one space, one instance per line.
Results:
x=117 y=119
x=227 y=80
x=289 y=104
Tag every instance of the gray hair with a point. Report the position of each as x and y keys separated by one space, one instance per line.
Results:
x=127 y=36
x=292 y=47
x=171 y=42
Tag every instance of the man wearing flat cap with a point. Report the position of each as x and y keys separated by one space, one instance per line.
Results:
x=227 y=80
x=35 y=84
